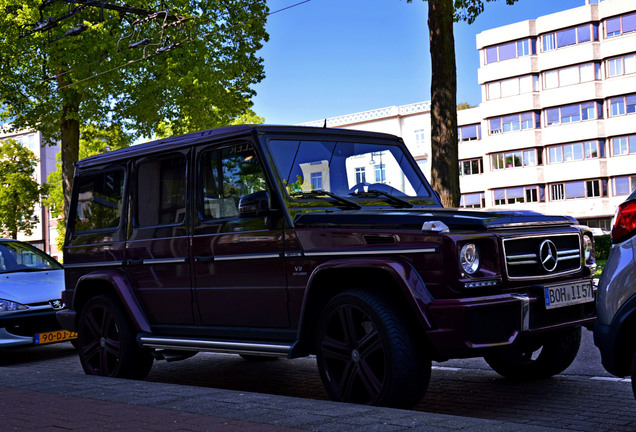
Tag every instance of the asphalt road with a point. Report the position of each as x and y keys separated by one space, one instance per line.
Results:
x=583 y=398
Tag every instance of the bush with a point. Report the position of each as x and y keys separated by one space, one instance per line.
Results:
x=602 y=245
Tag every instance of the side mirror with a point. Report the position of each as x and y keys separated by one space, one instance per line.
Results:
x=254 y=205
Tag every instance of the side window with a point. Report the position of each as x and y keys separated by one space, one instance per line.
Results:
x=227 y=175
x=161 y=191
x=99 y=201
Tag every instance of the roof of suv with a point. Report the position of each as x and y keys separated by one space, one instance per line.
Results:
x=214 y=134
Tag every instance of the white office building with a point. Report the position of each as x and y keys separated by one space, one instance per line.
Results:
x=556 y=129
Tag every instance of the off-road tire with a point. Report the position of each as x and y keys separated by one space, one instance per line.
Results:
x=367 y=353
x=558 y=351
x=107 y=341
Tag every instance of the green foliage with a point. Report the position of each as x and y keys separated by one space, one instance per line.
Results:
x=602 y=246
x=468 y=10
x=19 y=191
x=464 y=105
x=56 y=83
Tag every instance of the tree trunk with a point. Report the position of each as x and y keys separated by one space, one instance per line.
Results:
x=444 y=163
x=70 y=131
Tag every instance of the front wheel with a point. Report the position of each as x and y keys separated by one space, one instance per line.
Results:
x=551 y=356
x=107 y=343
x=367 y=354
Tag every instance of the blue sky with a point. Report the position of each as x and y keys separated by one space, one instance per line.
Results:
x=327 y=58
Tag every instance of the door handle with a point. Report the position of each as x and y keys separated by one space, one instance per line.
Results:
x=203 y=259
x=134 y=261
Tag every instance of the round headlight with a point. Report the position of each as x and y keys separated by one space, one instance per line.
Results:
x=469 y=258
x=588 y=247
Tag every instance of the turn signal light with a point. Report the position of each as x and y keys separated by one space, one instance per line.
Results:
x=624 y=222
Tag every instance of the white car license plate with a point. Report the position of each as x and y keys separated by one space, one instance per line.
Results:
x=54 y=336
x=568 y=294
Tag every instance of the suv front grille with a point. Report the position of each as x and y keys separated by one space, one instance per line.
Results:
x=542 y=256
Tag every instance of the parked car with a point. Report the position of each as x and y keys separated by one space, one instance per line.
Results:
x=615 y=330
x=31 y=284
x=290 y=241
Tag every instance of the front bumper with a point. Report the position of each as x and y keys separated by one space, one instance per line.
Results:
x=469 y=327
x=18 y=328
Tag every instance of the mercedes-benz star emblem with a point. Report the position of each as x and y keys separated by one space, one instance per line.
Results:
x=548 y=255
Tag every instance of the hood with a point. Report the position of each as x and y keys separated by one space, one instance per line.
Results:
x=454 y=219
x=29 y=288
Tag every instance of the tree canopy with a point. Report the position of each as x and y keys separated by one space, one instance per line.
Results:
x=19 y=190
x=70 y=63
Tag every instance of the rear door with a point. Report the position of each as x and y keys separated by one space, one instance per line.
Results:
x=157 y=258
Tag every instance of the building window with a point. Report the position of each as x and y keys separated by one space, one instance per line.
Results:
x=518 y=195
x=624 y=145
x=578 y=189
x=473 y=200
x=621 y=66
x=361 y=176
x=316 y=181
x=571 y=75
x=570 y=36
x=469 y=132
x=512 y=87
x=575 y=151
x=624 y=185
x=514 y=122
x=515 y=159
x=572 y=113
x=622 y=105
x=380 y=173
x=420 y=138
x=471 y=167
x=510 y=50
x=620 y=25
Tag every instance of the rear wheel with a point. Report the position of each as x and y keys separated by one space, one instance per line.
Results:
x=107 y=341
x=540 y=360
x=366 y=353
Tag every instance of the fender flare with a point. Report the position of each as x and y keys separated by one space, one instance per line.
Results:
x=122 y=288
x=408 y=280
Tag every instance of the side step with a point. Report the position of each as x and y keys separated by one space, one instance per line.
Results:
x=271 y=349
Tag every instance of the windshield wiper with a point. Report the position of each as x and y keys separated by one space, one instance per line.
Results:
x=323 y=193
x=399 y=202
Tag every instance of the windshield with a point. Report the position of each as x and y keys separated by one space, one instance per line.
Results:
x=16 y=256
x=347 y=169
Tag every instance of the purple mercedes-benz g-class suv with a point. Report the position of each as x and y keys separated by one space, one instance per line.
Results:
x=274 y=241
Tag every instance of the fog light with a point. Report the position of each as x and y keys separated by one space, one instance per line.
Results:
x=469 y=258
x=481 y=284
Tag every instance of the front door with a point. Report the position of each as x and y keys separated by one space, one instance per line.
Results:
x=239 y=268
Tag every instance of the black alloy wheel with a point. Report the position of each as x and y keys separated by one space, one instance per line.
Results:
x=107 y=341
x=529 y=362
x=366 y=353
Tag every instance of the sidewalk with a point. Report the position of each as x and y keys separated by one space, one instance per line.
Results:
x=37 y=399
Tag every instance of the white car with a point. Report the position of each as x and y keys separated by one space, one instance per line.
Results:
x=31 y=283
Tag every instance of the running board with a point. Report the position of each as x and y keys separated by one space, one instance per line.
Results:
x=235 y=347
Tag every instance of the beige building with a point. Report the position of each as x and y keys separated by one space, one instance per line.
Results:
x=556 y=129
